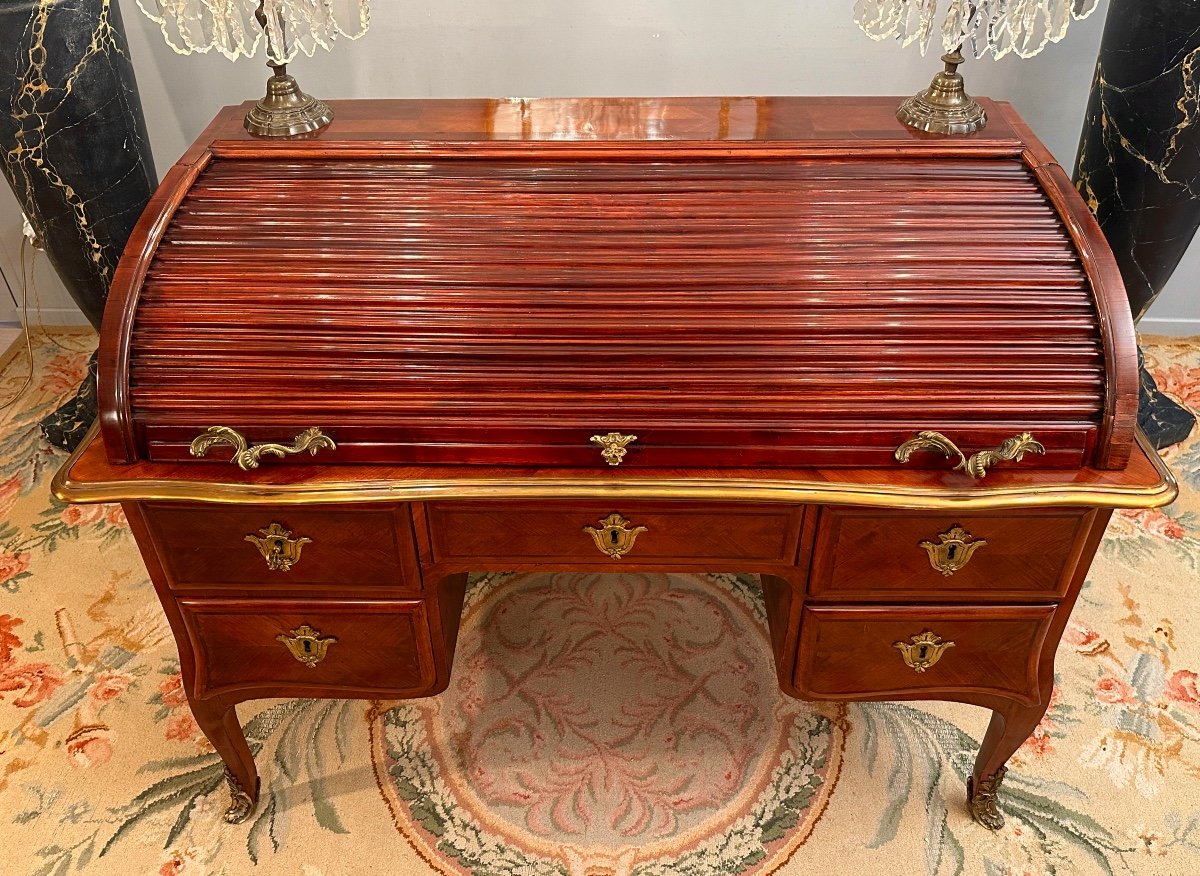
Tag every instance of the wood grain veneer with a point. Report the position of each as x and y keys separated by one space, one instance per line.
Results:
x=383 y=647
x=850 y=651
x=552 y=533
x=861 y=554
x=736 y=308
x=348 y=547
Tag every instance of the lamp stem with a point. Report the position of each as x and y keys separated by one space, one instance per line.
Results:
x=286 y=110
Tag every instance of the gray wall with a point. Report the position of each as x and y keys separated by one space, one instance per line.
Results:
x=528 y=48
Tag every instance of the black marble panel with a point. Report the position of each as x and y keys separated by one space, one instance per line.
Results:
x=1139 y=162
x=73 y=136
x=75 y=151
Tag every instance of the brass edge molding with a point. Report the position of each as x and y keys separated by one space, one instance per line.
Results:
x=739 y=489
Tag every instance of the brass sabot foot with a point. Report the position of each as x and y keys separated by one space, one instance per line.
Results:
x=984 y=800
x=241 y=803
x=944 y=107
x=286 y=110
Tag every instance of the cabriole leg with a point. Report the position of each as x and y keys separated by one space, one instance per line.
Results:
x=220 y=724
x=1009 y=728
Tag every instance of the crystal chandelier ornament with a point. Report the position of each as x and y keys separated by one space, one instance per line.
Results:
x=1001 y=27
x=236 y=28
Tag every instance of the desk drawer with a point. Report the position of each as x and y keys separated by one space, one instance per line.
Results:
x=635 y=532
x=338 y=545
x=881 y=555
x=865 y=651
x=322 y=648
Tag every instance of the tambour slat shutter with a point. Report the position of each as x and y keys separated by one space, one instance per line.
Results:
x=728 y=311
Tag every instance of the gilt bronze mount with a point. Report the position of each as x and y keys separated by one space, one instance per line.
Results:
x=953 y=551
x=944 y=107
x=612 y=446
x=922 y=651
x=983 y=799
x=307 y=644
x=1010 y=450
x=278 y=548
x=248 y=456
x=614 y=537
x=241 y=801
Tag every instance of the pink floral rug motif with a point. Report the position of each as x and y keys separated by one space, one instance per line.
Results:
x=608 y=723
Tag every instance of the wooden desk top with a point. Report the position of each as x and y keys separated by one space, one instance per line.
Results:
x=441 y=125
x=88 y=476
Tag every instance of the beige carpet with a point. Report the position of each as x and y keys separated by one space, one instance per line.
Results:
x=595 y=725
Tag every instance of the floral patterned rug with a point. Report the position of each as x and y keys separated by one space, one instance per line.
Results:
x=639 y=734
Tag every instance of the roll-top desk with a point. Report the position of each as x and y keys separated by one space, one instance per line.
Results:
x=892 y=374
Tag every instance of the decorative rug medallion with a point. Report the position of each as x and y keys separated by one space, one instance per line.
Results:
x=605 y=725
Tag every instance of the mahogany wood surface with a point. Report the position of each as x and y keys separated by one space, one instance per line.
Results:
x=347 y=548
x=398 y=646
x=849 y=652
x=865 y=554
x=552 y=533
x=383 y=647
x=1112 y=307
x=415 y=127
x=787 y=296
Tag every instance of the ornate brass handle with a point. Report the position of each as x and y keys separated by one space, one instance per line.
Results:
x=306 y=644
x=247 y=456
x=612 y=446
x=614 y=537
x=923 y=650
x=278 y=548
x=1011 y=449
x=954 y=549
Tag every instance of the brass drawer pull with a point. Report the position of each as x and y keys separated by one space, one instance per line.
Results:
x=923 y=651
x=612 y=446
x=278 y=548
x=955 y=548
x=248 y=456
x=614 y=537
x=306 y=644
x=1010 y=450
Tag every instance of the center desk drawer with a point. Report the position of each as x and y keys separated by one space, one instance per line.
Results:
x=324 y=648
x=339 y=545
x=876 y=652
x=867 y=554
x=638 y=532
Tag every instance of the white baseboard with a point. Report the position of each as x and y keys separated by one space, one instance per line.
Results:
x=1179 y=327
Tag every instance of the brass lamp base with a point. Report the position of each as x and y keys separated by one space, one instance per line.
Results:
x=944 y=107
x=286 y=110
